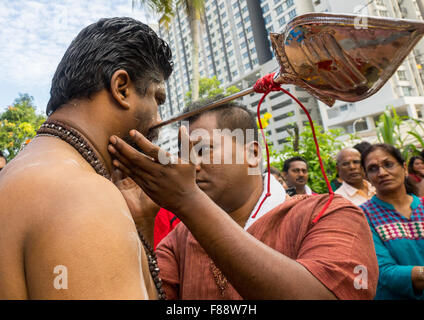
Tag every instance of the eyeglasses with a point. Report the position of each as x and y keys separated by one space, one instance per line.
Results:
x=346 y=164
x=388 y=166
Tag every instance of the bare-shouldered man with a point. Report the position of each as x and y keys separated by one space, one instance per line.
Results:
x=65 y=230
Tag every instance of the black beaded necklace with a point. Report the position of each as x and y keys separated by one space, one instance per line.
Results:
x=75 y=139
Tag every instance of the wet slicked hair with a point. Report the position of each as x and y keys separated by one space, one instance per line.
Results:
x=231 y=115
x=104 y=47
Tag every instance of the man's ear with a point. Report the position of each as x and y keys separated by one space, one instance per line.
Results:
x=120 y=85
x=253 y=156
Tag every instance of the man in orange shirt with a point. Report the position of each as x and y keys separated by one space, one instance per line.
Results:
x=223 y=250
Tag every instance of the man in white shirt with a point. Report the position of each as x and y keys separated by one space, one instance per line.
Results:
x=354 y=187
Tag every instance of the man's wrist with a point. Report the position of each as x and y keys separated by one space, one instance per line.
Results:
x=190 y=201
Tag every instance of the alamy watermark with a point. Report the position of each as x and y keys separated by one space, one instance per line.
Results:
x=361 y=280
x=60 y=281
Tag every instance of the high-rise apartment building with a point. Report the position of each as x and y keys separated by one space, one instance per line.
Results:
x=235 y=47
x=405 y=89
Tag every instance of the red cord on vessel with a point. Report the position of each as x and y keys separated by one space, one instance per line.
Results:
x=265 y=85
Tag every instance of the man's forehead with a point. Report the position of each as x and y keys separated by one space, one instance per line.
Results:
x=350 y=155
x=205 y=123
x=298 y=164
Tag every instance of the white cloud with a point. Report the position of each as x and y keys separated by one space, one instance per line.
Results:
x=35 y=34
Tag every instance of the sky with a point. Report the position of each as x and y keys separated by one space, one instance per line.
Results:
x=34 y=35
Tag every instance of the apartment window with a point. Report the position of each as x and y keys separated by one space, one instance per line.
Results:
x=267 y=19
x=230 y=53
x=265 y=8
x=282 y=21
x=276 y=95
x=244 y=9
x=292 y=14
x=247 y=19
x=289 y=3
x=279 y=9
x=383 y=13
x=250 y=40
x=343 y=107
x=241 y=34
x=407 y=91
x=402 y=75
x=333 y=113
x=225 y=24
x=281 y=105
x=239 y=25
x=245 y=55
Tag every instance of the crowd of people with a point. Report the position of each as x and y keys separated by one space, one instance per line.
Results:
x=103 y=205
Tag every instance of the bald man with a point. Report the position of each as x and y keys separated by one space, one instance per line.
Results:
x=354 y=187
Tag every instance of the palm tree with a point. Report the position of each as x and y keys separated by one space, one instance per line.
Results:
x=194 y=10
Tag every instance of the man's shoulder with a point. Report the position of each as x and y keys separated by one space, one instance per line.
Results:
x=37 y=192
x=306 y=208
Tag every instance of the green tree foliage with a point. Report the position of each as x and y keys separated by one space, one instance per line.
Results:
x=303 y=145
x=209 y=88
x=18 y=124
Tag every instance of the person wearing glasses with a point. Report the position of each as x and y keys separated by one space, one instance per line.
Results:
x=396 y=219
x=354 y=187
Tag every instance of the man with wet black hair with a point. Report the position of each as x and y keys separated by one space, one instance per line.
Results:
x=66 y=230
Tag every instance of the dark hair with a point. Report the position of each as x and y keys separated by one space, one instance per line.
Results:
x=287 y=163
x=411 y=164
x=231 y=115
x=362 y=146
x=1 y=155
x=104 y=47
x=395 y=153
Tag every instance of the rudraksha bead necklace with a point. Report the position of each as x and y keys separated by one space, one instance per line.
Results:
x=75 y=139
